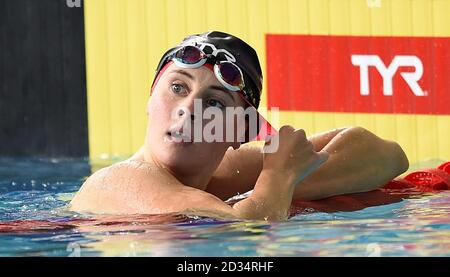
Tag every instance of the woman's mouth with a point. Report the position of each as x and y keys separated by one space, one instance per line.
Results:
x=178 y=137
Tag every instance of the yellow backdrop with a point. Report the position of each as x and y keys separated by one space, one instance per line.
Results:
x=126 y=38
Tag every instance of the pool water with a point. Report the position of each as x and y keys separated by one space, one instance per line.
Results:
x=34 y=222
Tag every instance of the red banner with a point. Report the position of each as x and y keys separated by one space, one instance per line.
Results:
x=408 y=75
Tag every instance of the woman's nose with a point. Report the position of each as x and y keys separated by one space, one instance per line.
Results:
x=182 y=112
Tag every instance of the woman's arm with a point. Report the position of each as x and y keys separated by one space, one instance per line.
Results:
x=359 y=161
x=294 y=159
x=237 y=173
x=240 y=168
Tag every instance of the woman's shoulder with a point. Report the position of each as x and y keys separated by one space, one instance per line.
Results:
x=107 y=189
x=117 y=173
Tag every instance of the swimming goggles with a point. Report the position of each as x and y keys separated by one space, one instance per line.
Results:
x=227 y=73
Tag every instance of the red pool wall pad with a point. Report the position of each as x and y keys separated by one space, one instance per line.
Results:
x=426 y=180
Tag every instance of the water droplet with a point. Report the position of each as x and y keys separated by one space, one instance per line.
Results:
x=237 y=171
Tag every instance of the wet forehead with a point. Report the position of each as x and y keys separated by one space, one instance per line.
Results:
x=202 y=75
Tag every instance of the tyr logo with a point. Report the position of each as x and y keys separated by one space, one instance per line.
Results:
x=387 y=73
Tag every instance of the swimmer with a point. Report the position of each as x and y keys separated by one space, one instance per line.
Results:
x=173 y=172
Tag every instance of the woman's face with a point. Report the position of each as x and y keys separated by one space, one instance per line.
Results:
x=177 y=123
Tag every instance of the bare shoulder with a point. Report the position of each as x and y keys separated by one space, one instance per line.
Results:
x=134 y=187
x=118 y=188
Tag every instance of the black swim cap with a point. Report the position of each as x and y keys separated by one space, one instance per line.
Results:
x=226 y=47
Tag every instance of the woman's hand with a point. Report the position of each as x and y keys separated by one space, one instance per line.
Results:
x=293 y=160
x=295 y=157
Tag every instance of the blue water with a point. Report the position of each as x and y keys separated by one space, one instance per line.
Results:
x=34 y=222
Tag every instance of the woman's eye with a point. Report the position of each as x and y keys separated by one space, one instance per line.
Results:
x=178 y=89
x=215 y=103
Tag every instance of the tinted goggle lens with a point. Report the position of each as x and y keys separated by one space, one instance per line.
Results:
x=190 y=55
x=231 y=74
